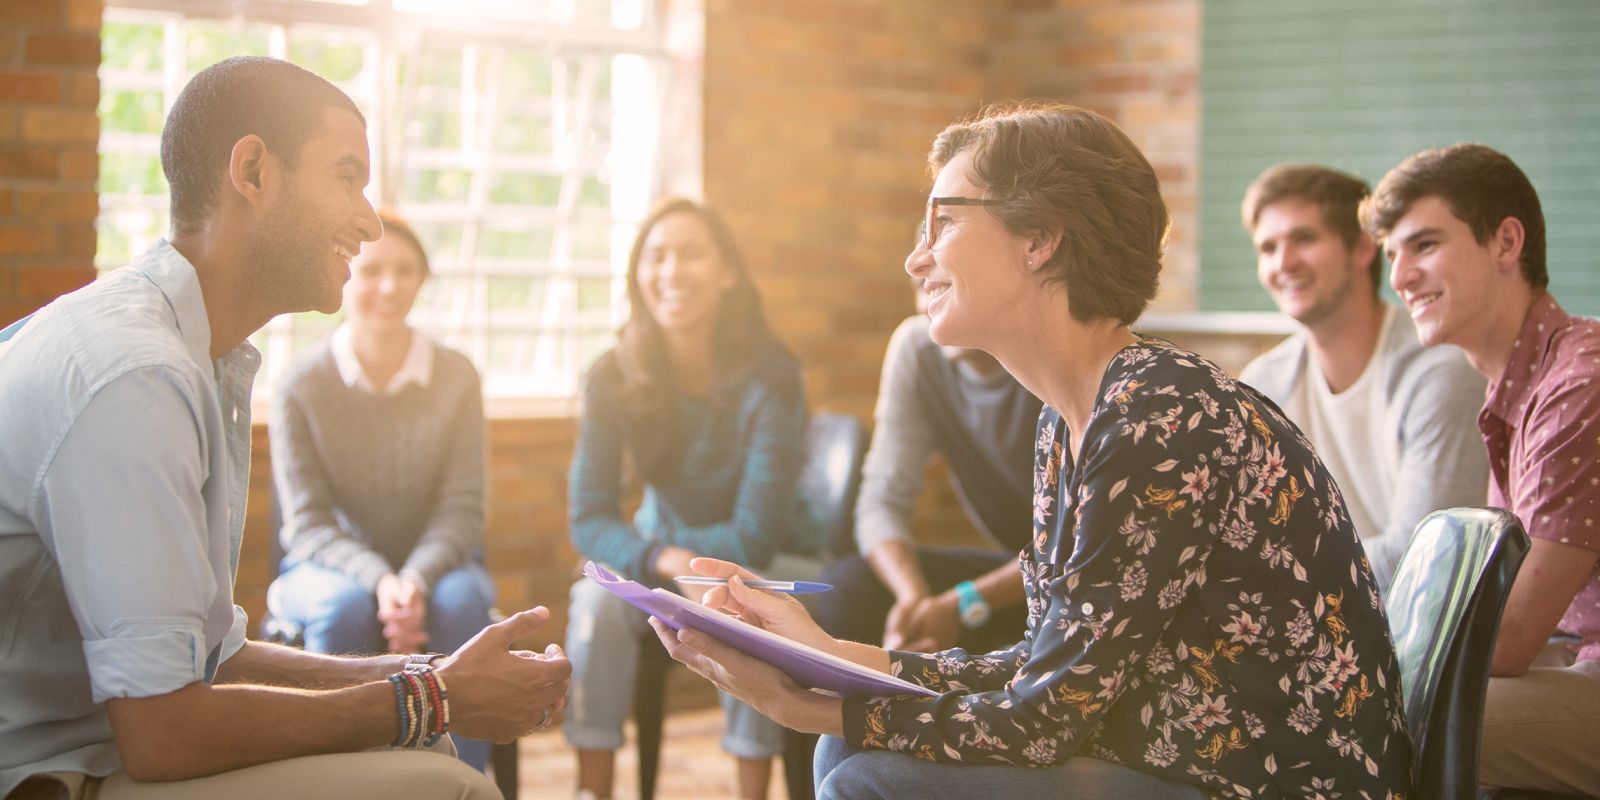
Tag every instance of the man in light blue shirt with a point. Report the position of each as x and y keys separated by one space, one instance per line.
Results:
x=125 y=411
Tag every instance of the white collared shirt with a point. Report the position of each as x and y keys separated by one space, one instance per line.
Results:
x=416 y=369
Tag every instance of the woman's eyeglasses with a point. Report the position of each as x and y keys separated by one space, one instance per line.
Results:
x=930 y=227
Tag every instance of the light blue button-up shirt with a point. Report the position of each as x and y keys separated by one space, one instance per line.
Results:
x=123 y=472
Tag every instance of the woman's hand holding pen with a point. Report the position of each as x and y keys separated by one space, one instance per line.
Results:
x=764 y=687
x=778 y=613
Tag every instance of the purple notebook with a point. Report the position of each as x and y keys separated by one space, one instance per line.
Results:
x=807 y=665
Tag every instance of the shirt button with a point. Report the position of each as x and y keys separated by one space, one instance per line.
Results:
x=1087 y=608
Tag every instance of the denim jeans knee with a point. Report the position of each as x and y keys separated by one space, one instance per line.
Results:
x=337 y=614
x=603 y=634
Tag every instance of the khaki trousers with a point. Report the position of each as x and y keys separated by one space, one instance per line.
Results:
x=381 y=775
x=1541 y=730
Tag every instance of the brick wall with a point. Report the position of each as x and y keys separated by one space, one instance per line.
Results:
x=1138 y=63
x=49 y=52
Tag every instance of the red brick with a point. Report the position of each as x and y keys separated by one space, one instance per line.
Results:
x=10 y=46
x=84 y=90
x=55 y=204
x=29 y=87
x=80 y=165
x=47 y=283
x=75 y=48
x=1121 y=82
x=26 y=240
x=79 y=241
x=11 y=312
x=52 y=125
x=17 y=13
x=29 y=162
x=85 y=14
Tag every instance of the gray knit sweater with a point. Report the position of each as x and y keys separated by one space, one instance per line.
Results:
x=374 y=484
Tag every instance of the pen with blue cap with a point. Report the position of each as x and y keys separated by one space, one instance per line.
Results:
x=787 y=587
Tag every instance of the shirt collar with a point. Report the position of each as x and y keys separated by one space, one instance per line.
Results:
x=1509 y=396
x=180 y=284
x=416 y=369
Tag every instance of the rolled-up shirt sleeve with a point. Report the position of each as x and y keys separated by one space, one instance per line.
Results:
x=121 y=510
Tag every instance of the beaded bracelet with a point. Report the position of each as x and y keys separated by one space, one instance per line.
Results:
x=423 y=706
x=419 y=703
x=405 y=716
x=439 y=717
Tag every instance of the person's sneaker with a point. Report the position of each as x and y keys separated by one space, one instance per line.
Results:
x=585 y=794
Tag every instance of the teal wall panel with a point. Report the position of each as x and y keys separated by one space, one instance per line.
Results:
x=1361 y=84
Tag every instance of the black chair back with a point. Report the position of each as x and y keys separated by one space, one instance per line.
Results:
x=1444 y=613
x=836 y=444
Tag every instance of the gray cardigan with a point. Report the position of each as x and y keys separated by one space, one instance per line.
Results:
x=1434 y=397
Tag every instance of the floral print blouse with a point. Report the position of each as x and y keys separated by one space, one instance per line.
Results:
x=1199 y=608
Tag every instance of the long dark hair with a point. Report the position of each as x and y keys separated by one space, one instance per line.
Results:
x=648 y=391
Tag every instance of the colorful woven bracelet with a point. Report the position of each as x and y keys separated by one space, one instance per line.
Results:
x=418 y=698
x=436 y=720
x=400 y=703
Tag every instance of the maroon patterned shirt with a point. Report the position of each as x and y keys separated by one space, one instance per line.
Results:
x=1541 y=425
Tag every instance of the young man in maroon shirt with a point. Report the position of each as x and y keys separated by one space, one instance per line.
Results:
x=1464 y=232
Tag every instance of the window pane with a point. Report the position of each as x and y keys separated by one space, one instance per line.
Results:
x=442 y=240
x=591 y=346
x=531 y=244
x=131 y=45
x=523 y=134
x=435 y=129
x=513 y=189
x=210 y=42
x=596 y=194
x=125 y=233
x=310 y=326
x=592 y=243
x=125 y=173
x=518 y=294
x=527 y=75
x=131 y=111
x=515 y=353
x=438 y=68
x=336 y=57
x=435 y=186
x=594 y=299
x=522 y=261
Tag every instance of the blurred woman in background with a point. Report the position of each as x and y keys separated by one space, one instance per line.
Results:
x=708 y=408
x=378 y=460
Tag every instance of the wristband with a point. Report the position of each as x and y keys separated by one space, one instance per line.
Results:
x=420 y=661
x=973 y=609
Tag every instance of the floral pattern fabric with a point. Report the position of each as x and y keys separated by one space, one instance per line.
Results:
x=1199 y=608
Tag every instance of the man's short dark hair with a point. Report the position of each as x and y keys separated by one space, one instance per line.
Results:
x=1337 y=194
x=227 y=101
x=1481 y=185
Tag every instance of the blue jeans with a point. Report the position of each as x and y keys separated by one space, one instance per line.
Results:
x=603 y=640
x=339 y=615
x=603 y=636
x=845 y=773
